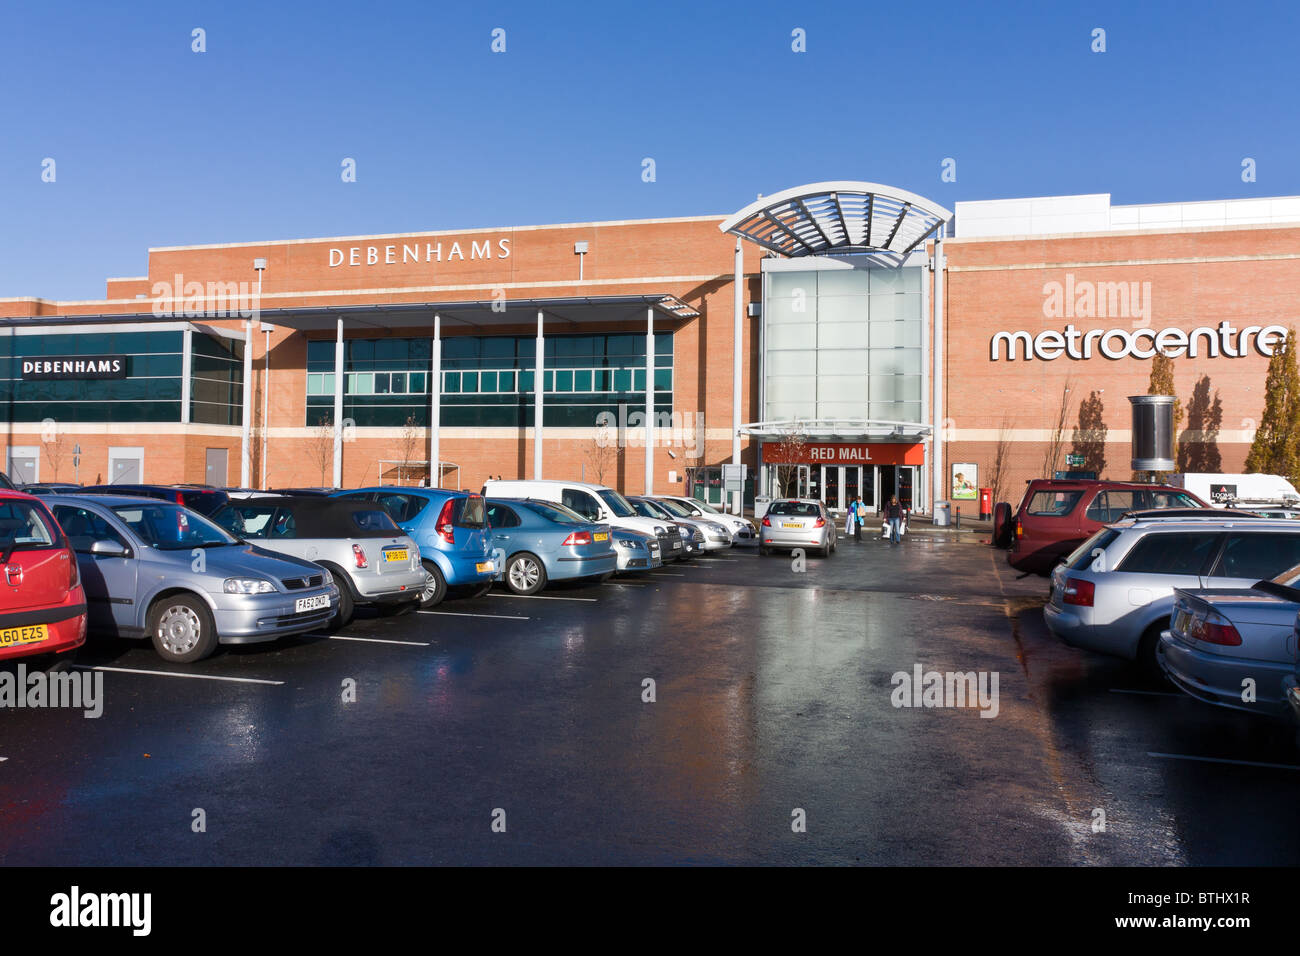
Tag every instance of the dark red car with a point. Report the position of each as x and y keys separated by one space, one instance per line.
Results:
x=1057 y=515
x=42 y=604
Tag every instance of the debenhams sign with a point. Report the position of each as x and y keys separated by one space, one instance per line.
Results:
x=74 y=367
x=1084 y=299
x=391 y=254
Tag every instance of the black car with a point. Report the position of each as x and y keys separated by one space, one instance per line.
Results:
x=206 y=501
x=51 y=488
x=5 y=483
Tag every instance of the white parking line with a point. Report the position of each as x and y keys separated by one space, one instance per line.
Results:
x=545 y=597
x=1148 y=693
x=668 y=574
x=3 y=759
x=132 y=670
x=1240 y=763
x=377 y=640
x=623 y=584
x=502 y=617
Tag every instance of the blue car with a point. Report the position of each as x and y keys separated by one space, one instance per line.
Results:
x=540 y=541
x=451 y=530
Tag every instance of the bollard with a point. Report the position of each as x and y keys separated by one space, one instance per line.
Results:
x=958 y=525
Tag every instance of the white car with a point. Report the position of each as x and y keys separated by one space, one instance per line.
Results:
x=743 y=531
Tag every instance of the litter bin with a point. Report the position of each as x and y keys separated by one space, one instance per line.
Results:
x=942 y=514
x=986 y=504
x=760 y=506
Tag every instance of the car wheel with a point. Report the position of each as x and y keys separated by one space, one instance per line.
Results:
x=343 y=614
x=182 y=630
x=435 y=586
x=1146 y=653
x=525 y=573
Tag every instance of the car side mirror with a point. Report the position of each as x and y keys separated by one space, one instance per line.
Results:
x=108 y=549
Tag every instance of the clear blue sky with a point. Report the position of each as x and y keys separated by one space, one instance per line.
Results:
x=157 y=145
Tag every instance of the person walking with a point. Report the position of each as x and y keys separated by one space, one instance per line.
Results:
x=894 y=515
x=851 y=518
x=860 y=508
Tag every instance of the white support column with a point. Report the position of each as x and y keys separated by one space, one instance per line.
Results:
x=245 y=442
x=338 y=406
x=938 y=487
x=187 y=373
x=737 y=498
x=539 y=388
x=650 y=401
x=435 y=407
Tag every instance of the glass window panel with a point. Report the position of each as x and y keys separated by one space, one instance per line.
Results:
x=886 y=281
x=908 y=334
x=469 y=381
x=793 y=363
x=397 y=382
x=842 y=362
x=881 y=308
x=638 y=380
x=839 y=282
x=487 y=381
x=885 y=362
x=841 y=409
x=451 y=382
x=788 y=410
x=787 y=311
x=663 y=380
x=841 y=335
x=526 y=380
x=314 y=384
x=790 y=388
x=908 y=307
x=564 y=381
x=778 y=337
x=582 y=381
x=549 y=381
x=382 y=383
x=911 y=278
x=842 y=308
x=883 y=335
x=505 y=381
x=784 y=284
x=622 y=380
x=418 y=381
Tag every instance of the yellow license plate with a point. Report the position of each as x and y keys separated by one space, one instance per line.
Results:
x=483 y=566
x=31 y=634
x=791 y=524
x=398 y=554
x=600 y=536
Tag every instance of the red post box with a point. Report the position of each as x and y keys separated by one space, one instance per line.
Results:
x=986 y=504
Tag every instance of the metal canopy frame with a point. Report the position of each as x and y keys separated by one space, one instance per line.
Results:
x=843 y=429
x=840 y=217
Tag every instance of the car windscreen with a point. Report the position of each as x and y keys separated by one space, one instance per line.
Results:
x=707 y=508
x=553 y=512
x=803 y=509
x=24 y=527
x=617 y=503
x=674 y=508
x=171 y=527
x=471 y=513
x=1052 y=504
x=1081 y=557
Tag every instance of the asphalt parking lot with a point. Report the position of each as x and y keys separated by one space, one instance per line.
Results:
x=516 y=730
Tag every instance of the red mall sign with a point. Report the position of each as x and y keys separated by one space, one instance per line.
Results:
x=844 y=453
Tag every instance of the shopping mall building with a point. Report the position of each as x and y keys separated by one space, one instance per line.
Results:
x=837 y=339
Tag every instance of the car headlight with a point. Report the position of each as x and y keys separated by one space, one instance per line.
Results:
x=632 y=544
x=248 y=586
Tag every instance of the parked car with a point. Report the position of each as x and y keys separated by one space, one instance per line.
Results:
x=596 y=503
x=42 y=602
x=5 y=483
x=636 y=550
x=51 y=488
x=371 y=561
x=303 y=492
x=451 y=530
x=649 y=508
x=717 y=533
x=1115 y=593
x=153 y=569
x=205 y=501
x=791 y=523
x=1222 y=642
x=743 y=531
x=537 y=542
x=1056 y=516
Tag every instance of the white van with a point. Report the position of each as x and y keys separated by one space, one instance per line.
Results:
x=597 y=503
x=1223 y=491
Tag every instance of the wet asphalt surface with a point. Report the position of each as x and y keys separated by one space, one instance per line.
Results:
x=772 y=695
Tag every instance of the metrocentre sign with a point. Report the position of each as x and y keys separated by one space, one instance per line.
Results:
x=1076 y=343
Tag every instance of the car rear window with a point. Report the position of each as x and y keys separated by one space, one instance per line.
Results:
x=374 y=521
x=1052 y=504
x=471 y=513
x=24 y=527
x=800 y=508
x=1171 y=552
x=402 y=507
x=1258 y=556
x=1081 y=559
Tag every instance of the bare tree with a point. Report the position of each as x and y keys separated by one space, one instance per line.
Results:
x=1001 y=458
x=320 y=446
x=601 y=454
x=56 y=449
x=791 y=447
x=408 y=443
x=1052 y=453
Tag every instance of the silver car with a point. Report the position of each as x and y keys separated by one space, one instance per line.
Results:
x=797 y=523
x=1115 y=592
x=636 y=551
x=717 y=535
x=744 y=533
x=155 y=569
x=372 y=561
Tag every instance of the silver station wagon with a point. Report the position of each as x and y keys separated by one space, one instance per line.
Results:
x=156 y=569
x=372 y=560
x=1115 y=592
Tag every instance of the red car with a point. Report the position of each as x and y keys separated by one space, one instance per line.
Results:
x=42 y=604
x=1057 y=515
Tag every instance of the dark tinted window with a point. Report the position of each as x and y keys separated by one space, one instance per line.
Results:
x=499 y=516
x=1082 y=558
x=246 y=521
x=554 y=512
x=471 y=512
x=374 y=521
x=1171 y=552
x=581 y=502
x=800 y=508
x=401 y=507
x=1052 y=504
x=1258 y=556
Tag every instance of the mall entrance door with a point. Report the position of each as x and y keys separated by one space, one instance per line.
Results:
x=840 y=484
x=893 y=480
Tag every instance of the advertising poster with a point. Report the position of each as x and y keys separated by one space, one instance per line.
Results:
x=965 y=481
